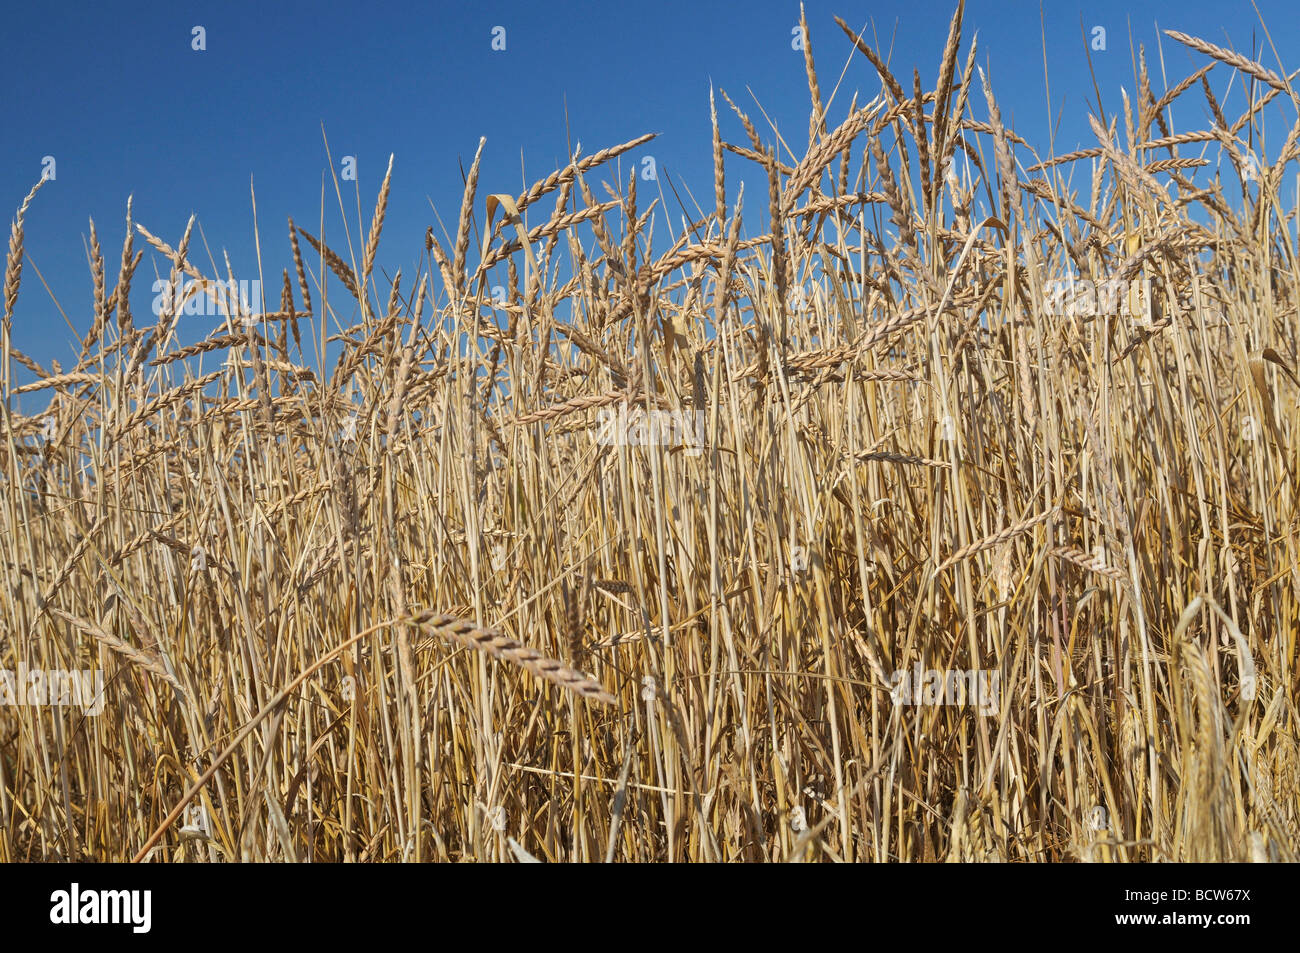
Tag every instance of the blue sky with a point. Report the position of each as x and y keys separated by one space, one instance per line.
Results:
x=119 y=98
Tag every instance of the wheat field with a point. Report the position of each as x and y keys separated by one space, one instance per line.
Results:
x=584 y=543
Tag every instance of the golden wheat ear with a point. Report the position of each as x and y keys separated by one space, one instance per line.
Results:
x=501 y=646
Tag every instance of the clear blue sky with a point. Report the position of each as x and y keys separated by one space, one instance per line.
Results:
x=118 y=97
